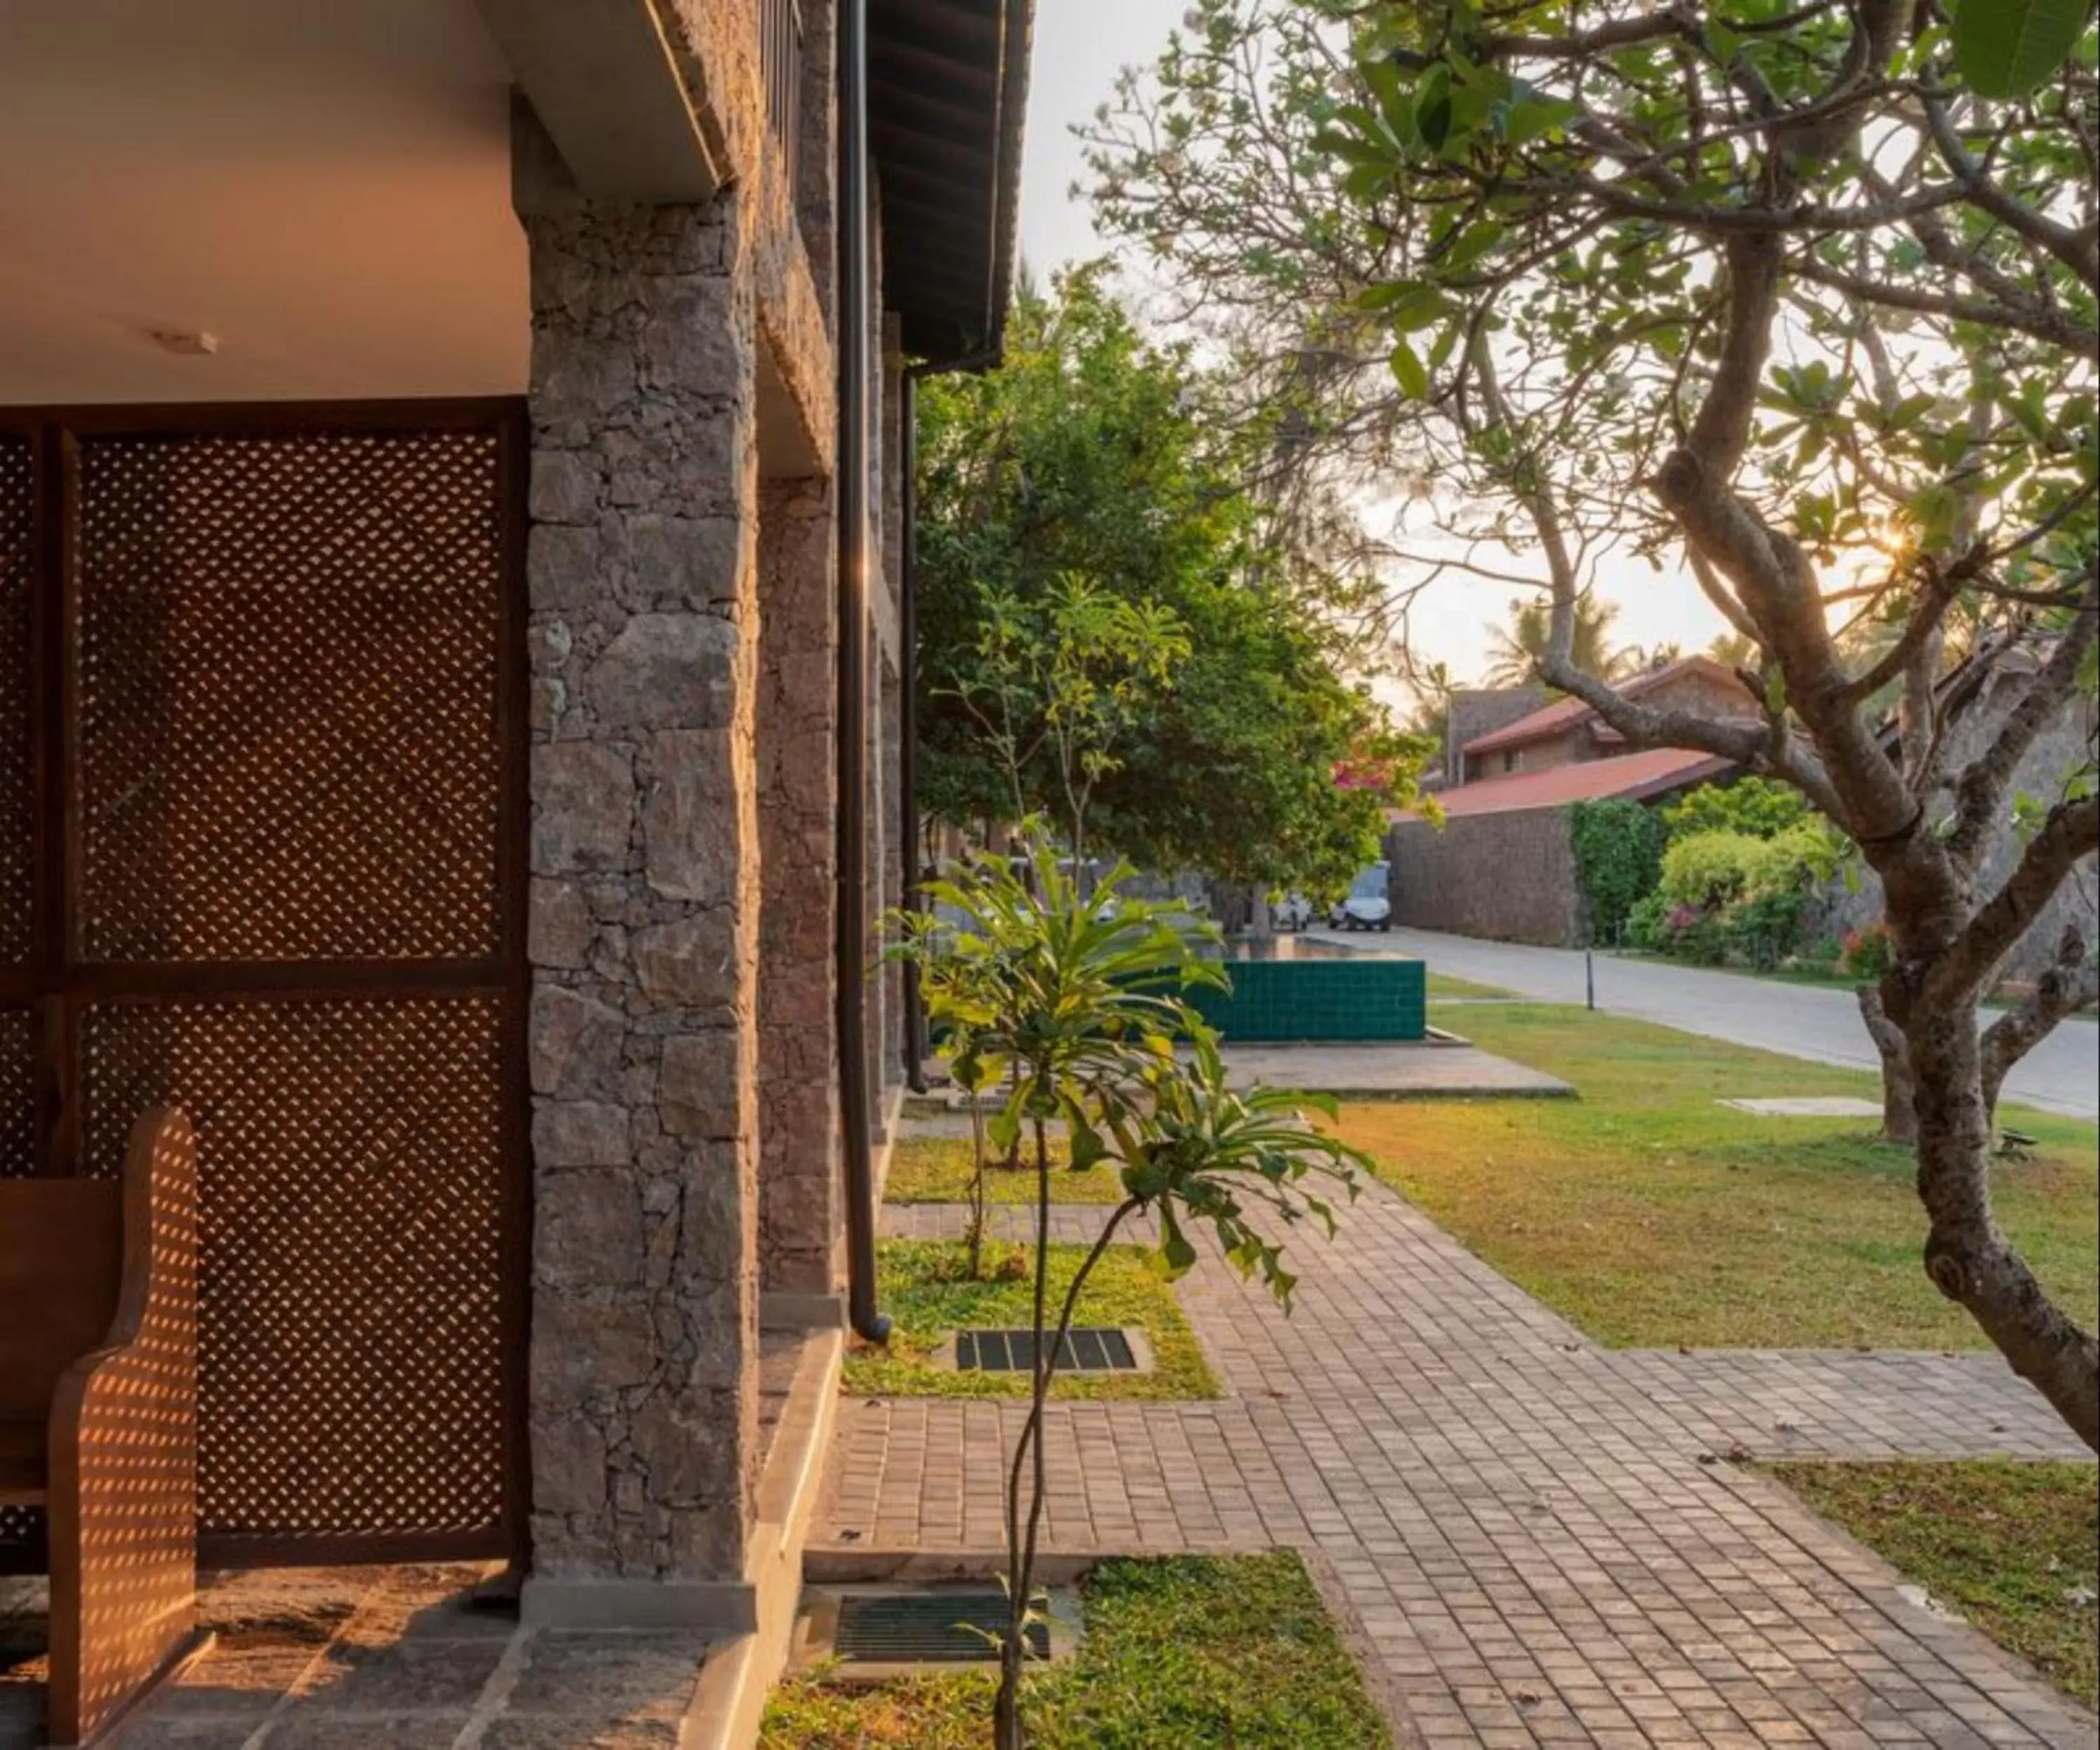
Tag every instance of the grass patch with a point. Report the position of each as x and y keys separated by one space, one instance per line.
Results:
x=1444 y=985
x=936 y=1170
x=1190 y=1654
x=1653 y=1216
x=926 y=1296
x=2015 y=1547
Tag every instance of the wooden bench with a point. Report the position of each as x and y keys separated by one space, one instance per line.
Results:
x=98 y=1415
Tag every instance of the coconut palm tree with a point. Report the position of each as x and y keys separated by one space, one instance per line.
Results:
x=1733 y=649
x=1519 y=645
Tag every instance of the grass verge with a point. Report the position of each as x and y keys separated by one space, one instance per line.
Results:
x=936 y=1170
x=1653 y=1216
x=2015 y=1547
x=1190 y=1654
x=1444 y=985
x=926 y=1296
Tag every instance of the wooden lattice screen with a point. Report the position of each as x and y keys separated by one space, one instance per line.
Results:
x=262 y=745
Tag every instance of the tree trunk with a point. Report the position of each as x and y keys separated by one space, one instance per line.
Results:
x=1966 y=1256
x=974 y=1235
x=1899 y=1089
x=1006 y=1710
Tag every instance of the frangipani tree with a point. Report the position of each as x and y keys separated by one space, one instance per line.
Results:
x=1079 y=992
x=1798 y=297
x=1773 y=287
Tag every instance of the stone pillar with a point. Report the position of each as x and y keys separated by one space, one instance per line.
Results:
x=800 y=1211
x=642 y=573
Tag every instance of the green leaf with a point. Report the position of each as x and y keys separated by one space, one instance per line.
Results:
x=1088 y=1147
x=1476 y=241
x=1410 y=372
x=1422 y=306
x=2006 y=48
x=1367 y=182
x=1534 y=117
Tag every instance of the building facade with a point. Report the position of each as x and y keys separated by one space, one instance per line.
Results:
x=450 y=572
x=1501 y=864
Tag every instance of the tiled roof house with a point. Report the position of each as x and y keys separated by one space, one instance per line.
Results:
x=1500 y=866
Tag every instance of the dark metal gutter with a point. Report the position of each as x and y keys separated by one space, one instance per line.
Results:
x=1017 y=49
x=855 y=320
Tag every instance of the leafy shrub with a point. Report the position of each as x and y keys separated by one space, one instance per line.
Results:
x=1719 y=868
x=1697 y=936
x=1824 y=956
x=1735 y=896
x=1806 y=855
x=1760 y=807
x=1647 y=923
x=1710 y=869
x=1762 y=928
x=1617 y=846
x=1868 y=953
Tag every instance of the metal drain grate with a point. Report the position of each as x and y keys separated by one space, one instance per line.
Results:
x=926 y=1628
x=1092 y=1349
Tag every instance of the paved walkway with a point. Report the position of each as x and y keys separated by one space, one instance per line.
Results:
x=2061 y=1074
x=1544 y=1543
x=384 y=1658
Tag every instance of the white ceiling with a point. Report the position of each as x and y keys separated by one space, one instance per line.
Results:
x=322 y=184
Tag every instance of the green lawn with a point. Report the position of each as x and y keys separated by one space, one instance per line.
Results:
x=2015 y=1547
x=1196 y=1653
x=1444 y=985
x=927 y=1295
x=936 y=1170
x=1653 y=1216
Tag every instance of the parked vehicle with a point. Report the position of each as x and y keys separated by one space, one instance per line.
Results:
x=1294 y=911
x=1365 y=906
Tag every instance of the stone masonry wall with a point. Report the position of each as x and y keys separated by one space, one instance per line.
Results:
x=1508 y=876
x=644 y=1042
x=800 y=1208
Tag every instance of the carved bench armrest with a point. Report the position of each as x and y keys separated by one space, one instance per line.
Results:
x=123 y=1456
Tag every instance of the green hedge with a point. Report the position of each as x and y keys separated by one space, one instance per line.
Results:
x=1618 y=854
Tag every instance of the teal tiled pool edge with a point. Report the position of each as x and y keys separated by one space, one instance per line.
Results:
x=1382 y=999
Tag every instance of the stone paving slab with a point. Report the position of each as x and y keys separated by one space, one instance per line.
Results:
x=393 y=1658
x=1543 y=1542
x=1809 y=1106
x=1432 y=1070
x=1443 y=1066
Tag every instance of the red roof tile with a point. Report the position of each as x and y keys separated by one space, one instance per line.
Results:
x=1636 y=775
x=1565 y=713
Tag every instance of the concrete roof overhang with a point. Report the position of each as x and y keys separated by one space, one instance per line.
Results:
x=947 y=94
x=325 y=190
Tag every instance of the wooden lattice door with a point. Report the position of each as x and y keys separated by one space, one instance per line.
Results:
x=261 y=757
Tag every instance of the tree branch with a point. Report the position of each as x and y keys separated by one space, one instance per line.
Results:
x=2022 y=317
x=2071 y=832
x=2072 y=983
x=1981 y=790
x=2075 y=250
x=1941 y=587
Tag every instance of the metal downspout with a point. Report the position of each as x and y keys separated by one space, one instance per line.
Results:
x=850 y=832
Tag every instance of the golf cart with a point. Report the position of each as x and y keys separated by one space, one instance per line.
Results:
x=1365 y=906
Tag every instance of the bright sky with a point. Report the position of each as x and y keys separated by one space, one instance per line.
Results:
x=1079 y=45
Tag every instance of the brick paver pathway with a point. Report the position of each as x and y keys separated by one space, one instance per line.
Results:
x=1543 y=1543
